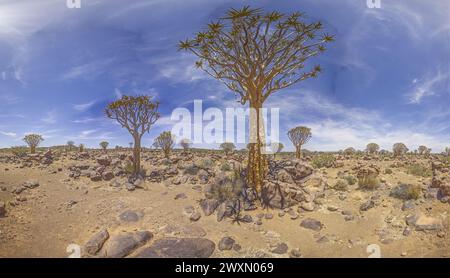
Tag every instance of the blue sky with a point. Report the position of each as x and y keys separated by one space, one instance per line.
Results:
x=386 y=77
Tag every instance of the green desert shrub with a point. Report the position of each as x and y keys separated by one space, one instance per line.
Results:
x=225 y=167
x=227 y=188
x=19 y=151
x=419 y=170
x=406 y=192
x=191 y=170
x=388 y=171
x=323 y=160
x=204 y=163
x=351 y=180
x=341 y=185
x=368 y=182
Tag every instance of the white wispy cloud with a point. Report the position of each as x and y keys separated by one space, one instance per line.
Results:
x=88 y=70
x=83 y=106
x=179 y=68
x=88 y=120
x=9 y=134
x=92 y=134
x=426 y=88
x=50 y=117
x=336 y=126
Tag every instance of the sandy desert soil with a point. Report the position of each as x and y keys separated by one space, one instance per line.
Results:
x=56 y=208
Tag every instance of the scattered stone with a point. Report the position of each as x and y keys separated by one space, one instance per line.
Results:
x=2 y=209
x=96 y=242
x=31 y=184
x=95 y=176
x=223 y=210
x=237 y=247
x=120 y=246
x=311 y=224
x=441 y=234
x=115 y=184
x=195 y=216
x=179 y=248
x=349 y=218
x=280 y=249
x=130 y=186
x=107 y=175
x=71 y=203
x=180 y=196
x=267 y=216
x=247 y=219
x=188 y=210
x=407 y=231
x=226 y=243
x=104 y=160
x=367 y=205
x=293 y=214
x=332 y=208
x=129 y=216
x=308 y=206
x=209 y=206
x=295 y=253
x=408 y=205
x=323 y=239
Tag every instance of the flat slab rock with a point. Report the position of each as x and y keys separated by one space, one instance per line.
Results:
x=179 y=248
x=130 y=216
x=424 y=223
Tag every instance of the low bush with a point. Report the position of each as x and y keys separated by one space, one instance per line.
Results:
x=406 y=192
x=19 y=151
x=225 y=167
x=227 y=188
x=420 y=170
x=323 y=160
x=351 y=180
x=341 y=185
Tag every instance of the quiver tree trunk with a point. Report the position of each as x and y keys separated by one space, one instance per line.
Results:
x=33 y=149
x=137 y=155
x=298 y=151
x=257 y=161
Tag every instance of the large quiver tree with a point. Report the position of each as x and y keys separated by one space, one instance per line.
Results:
x=256 y=54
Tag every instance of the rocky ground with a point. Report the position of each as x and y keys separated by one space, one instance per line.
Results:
x=51 y=200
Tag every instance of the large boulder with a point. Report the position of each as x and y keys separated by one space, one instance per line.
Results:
x=209 y=206
x=122 y=245
x=107 y=175
x=96 y=242
x=104 y=160
x=292 y=182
